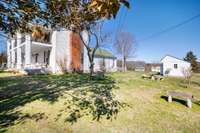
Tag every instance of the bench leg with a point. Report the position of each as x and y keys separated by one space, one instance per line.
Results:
x=189 y=103
x=169 y=99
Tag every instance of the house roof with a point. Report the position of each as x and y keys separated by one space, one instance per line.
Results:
x=174 y=58
x=104 y=53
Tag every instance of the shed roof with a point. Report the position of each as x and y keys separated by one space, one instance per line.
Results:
x=104 y=53
x=174 y=58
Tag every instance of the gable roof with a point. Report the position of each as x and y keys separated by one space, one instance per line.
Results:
x=104 y=53
x=174 y=58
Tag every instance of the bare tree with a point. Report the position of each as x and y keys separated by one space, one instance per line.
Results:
x=125 y=46
x=187 y=73
x=95 y=39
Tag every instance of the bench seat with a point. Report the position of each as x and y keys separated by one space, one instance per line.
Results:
x=186 y=96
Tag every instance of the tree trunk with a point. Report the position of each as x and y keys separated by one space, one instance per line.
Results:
x=91 y=69
x=189 y=82
x=91 y=60
x=124 y=64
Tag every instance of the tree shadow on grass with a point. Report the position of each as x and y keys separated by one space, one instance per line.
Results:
x=197 y=102
x=87 y=97
x=195 y=83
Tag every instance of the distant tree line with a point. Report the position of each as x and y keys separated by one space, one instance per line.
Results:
x=131 y=65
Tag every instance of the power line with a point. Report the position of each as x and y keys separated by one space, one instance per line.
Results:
x=173 y=27
x=118 y=25
x=123 y=21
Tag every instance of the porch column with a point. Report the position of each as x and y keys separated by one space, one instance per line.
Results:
x=28 y=51
x=8 y=53
x=12 y=53
x=19 y=52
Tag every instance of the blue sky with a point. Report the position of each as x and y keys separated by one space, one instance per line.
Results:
x=150 y=16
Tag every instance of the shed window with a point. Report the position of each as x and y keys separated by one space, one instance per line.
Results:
x=175 y=66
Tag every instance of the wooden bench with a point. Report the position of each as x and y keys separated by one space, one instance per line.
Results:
x=188 y=97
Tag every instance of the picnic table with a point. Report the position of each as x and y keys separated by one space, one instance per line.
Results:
x=157 y=77
x=144 y=76
x=152 y=77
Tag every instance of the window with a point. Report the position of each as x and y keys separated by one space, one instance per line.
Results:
x=15 y=57
x=36 y=58
x=15 y=43
x=48 y=55
x=44 y=57
x=175 y=66
x=23 y=39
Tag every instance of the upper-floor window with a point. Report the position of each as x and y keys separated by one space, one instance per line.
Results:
x=175 y=66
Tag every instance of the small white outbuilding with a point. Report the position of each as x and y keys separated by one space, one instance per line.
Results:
x=172 y=66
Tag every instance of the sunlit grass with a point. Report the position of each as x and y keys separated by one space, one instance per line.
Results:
x=41 y=103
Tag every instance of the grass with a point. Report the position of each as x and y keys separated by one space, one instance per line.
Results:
x=118 y=102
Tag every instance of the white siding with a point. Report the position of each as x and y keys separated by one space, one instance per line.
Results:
x=61 y=50
x=110 y=64
x=40 y=58
x=168 y=68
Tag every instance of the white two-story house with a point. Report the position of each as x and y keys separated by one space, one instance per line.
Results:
x=53 y=51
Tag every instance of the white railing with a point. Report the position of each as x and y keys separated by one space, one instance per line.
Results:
x=36 y=66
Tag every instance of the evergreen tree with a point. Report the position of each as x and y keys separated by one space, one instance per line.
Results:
x=190 y=57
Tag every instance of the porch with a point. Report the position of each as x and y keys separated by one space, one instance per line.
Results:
x=26 y=53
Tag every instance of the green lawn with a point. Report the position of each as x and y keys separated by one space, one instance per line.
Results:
x=118 y=102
